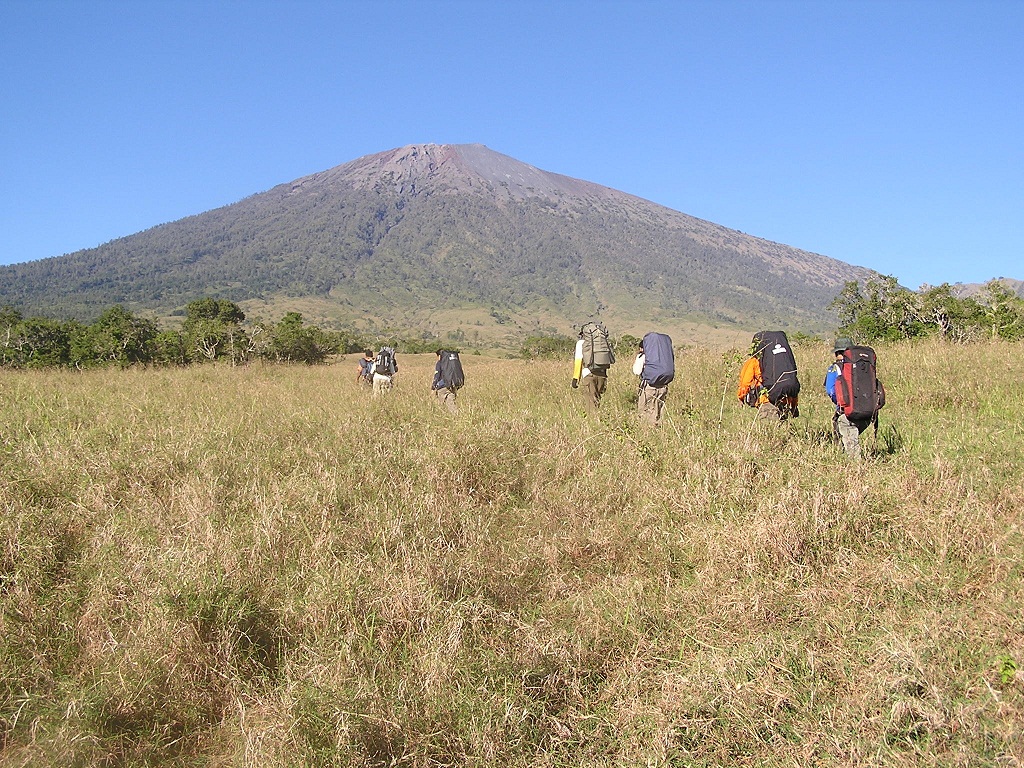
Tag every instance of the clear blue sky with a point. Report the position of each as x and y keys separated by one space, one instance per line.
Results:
x=884 y=134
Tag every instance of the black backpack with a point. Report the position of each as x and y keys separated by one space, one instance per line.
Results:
x=384 y=363
x=597 y=348
x=859 y=393
x=778 y=365
x=451 y=370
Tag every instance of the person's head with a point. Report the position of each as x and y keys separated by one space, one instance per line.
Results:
x=367 y=354
x=439 y=353
x=841 y=345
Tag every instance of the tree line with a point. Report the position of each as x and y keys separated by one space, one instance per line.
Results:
x=882 y=310
x=213 y=330
x=879 y=309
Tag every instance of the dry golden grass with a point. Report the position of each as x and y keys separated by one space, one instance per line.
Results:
x=264 y=566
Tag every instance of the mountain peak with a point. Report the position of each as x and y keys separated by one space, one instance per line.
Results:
x=453 y=168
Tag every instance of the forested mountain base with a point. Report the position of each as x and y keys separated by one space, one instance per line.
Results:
x=261 y=565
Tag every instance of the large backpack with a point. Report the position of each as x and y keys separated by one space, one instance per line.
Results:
x=859 y=393
x=451 y=370
x=659 y=360
x=384 y=363
x=778 y=365
x=597 y=348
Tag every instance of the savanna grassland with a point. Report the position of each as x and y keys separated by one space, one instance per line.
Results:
x=262 y=566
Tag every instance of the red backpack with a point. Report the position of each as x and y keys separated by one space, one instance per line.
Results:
x=859 y=393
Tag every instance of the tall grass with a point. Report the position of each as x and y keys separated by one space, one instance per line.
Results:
x=265 y=566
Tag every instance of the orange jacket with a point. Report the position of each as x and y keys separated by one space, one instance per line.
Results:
x=750 y=384
x=752 y=392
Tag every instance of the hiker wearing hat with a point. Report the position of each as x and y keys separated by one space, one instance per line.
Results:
x=846 y=429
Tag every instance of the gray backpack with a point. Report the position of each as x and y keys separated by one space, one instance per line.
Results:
x=385 y=362
x=597 y=348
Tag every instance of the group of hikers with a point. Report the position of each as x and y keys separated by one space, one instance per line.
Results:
x=654 y=364
x=768 y=379
x=379 y=372
x=768 y=382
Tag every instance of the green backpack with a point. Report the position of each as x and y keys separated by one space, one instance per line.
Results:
x=597 y=348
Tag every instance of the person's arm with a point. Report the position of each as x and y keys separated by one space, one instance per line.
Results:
x=638 y=365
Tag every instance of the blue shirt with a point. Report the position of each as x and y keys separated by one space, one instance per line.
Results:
x=830 y=381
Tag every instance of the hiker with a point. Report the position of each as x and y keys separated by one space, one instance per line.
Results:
x=656 y=366
x=592 y=357
x=385 y=367
x=852 y=384
x=364 y=368
x=768 y=379
x=448 y=378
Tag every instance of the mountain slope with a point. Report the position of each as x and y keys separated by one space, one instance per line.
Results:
x=430 y=234
x=976 y=289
